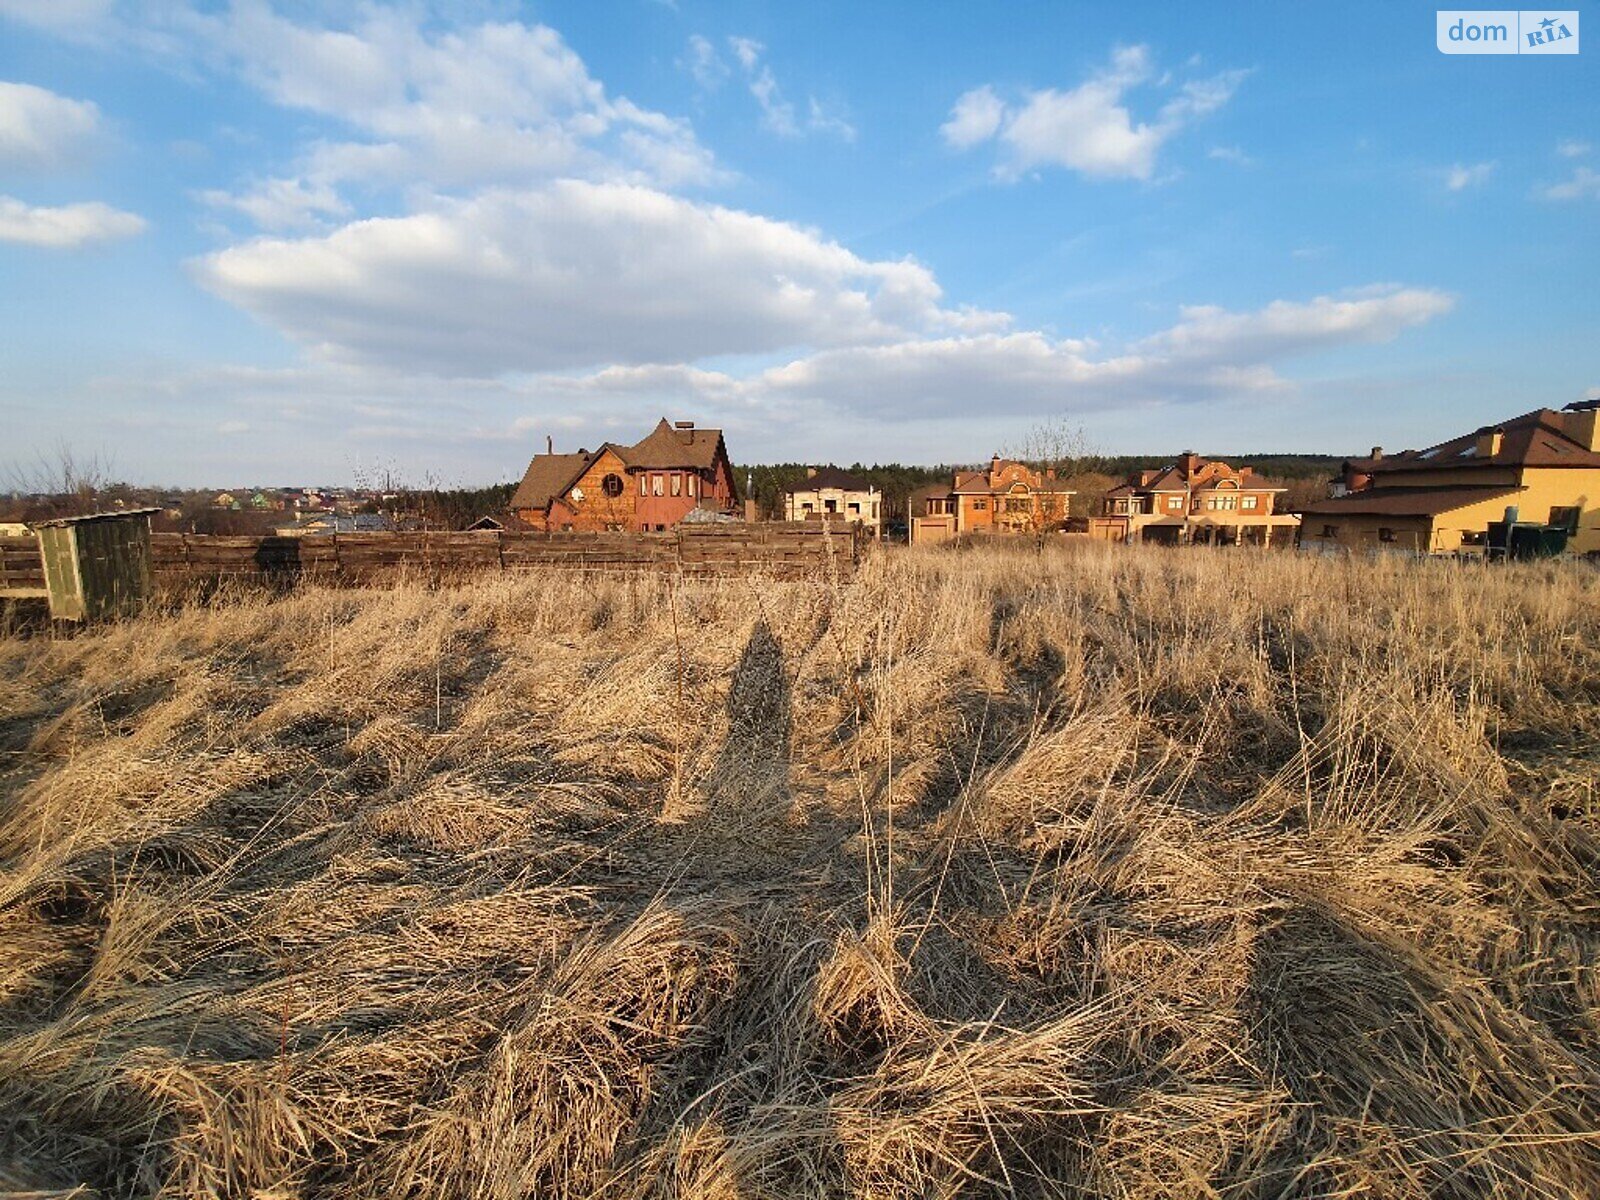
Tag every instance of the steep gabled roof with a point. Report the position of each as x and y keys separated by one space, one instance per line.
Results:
x=1407 y=501
x=829 y=477
x=549 y=476
x=1167 y=479
x=668 y=448
x=1534 y=439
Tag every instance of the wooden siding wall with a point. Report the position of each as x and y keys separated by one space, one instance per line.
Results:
x=176 y=559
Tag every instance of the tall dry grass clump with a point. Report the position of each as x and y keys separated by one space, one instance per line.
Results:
x=987 y=872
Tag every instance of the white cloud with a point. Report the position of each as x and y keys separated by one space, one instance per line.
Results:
x=1584 y=185
x=1232 y=154
x=639 y=289
x=57 y=15
x=747 y=50
x=778 y=114
x=40 y=129
x=975 y=118
x=1459 y=178
x=703 y=62
x=279 y=204
x=66 y=227
x=914 y=396
x=1374 y=314
x=1573 y=148
x=1210 y=354
x=453 y=108
x=1089 y=128
x=573 y=275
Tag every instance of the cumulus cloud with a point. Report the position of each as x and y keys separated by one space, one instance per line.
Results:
x=1573 y=148
x=65 y=227
x=39 y=129
x=449 y=108
x=975 y=118
x=1088 y=129
x=1584 y=184
x=1282 y=328
x=605 y=297
x=573 y=275
x=1459 y=178
x=280 y=204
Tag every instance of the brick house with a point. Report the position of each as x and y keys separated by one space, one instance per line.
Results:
x=1545 y=464
x=829 y=494
x=1193 y=500
x=648 y=486
x=1008 y=498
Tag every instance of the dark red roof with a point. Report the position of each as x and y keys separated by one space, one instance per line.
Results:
x=1407 y=501
x=1535 y=439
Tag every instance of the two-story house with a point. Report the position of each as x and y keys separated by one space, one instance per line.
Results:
x=829 y=494
x=1193 y=500
x=649 y=486
x=1544 y=464
x=1007 y=498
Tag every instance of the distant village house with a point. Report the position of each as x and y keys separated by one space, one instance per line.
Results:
x=1194 y=500
x=829 y=494
x=651 y=485
x=1008 y=498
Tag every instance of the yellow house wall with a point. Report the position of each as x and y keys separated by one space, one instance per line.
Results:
x=1550 y=487
x=1448 y=477
x=1545 y=488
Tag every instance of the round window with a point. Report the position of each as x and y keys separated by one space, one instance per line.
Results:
x=611 y=485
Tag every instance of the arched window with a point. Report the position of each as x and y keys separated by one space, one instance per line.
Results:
x=611 y=485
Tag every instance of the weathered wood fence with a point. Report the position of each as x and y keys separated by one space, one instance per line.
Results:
x=179 y=558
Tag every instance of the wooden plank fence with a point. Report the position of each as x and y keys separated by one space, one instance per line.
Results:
x=21 y=570
x=779 y=549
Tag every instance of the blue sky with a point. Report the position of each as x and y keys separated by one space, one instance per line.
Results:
x=289 y=241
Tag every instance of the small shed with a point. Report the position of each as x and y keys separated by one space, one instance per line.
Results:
x=98 y=565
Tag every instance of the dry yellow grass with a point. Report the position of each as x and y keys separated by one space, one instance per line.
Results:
x=1095 y=873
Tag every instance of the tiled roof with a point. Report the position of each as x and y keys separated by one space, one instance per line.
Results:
x=549 y=476
x=829 y=477
x=1534 y=439
x=1407 y=501
x=668 y=448
x=665 y=448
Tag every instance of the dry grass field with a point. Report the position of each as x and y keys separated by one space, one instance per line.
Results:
x=1091 y=873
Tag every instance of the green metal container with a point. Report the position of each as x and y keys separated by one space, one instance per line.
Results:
x=96 y=566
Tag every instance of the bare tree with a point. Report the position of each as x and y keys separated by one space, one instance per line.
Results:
x=61 y=481
x=1053 y=447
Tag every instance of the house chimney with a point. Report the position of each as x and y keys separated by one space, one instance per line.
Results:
x=1582 y=423
x=1190 y=462
x=1488 y=442
x=1377 y=454
x=549 y=444
x=683 y=424
x=994 y=465
x=811 y=472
